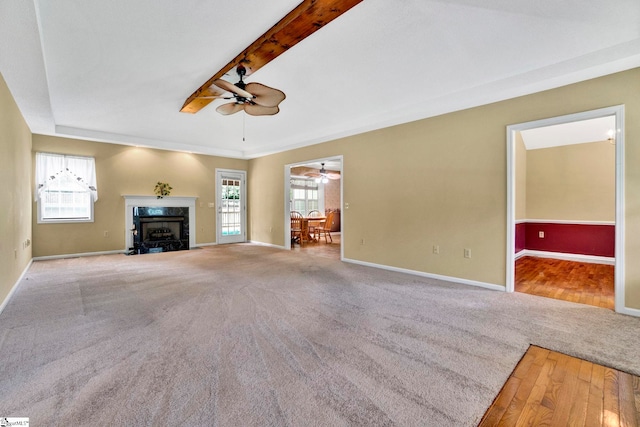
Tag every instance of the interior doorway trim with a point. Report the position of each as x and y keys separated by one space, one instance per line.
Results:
x=287 y=188
x=618 y=112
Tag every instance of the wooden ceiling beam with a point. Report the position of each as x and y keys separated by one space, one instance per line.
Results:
x=307 y=18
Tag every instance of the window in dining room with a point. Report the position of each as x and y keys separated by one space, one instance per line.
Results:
x=306 y=195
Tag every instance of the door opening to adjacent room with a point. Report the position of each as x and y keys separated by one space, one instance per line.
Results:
x=313 y=192
x=564 y=208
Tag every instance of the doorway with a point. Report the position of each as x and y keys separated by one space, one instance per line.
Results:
x=315 y=187
x=231 y=220
x=514 y=217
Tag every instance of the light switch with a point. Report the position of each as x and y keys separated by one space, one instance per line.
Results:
x=541 y=234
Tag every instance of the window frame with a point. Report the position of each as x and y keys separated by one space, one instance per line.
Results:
x=40 y=206
x=319 y=188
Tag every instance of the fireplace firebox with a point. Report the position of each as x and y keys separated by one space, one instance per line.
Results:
x=160 y=229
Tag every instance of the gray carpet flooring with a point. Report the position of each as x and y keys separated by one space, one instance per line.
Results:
x=244 y=335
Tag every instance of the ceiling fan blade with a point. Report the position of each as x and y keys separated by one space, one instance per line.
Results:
x=332 y=175
x=230 y=87
x=206 y=96
x=229 y=108
x=259 y=110
x=313 y=175
x=265 y=95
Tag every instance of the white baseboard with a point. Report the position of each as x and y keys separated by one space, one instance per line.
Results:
x=254 y=242
x=271 y=245
x=14 y=288
x=83 y=254
x=630 y=311
x=202 y=245
x=592 y=259
x=491 y=286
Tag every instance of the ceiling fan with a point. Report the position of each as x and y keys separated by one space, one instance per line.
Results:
x=323 y=175
x=305 y=19
x=255 y=99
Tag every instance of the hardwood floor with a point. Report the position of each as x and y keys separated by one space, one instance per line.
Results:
x=580 y=282
x=552 y=389
x=320 y=248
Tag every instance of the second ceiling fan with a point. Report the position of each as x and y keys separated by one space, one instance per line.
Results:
x=323 y=175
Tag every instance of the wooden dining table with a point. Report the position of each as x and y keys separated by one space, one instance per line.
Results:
x=307 y=223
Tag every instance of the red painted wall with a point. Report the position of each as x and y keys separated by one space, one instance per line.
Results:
x=520 y=236
x=583 y=239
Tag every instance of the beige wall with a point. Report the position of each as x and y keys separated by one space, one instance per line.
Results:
x=436 y=181
x=442 y=181
x=572 y=182
x=521 y=177
x=15 y=192
x=408 y=188
x=128 y=170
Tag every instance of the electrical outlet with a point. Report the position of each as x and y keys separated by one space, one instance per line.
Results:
x=436 y=249
x=106 y=234
x=362 y=241
x=541 y=234
x=467 y=253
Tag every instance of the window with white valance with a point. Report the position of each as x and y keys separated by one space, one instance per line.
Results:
x=66 y=188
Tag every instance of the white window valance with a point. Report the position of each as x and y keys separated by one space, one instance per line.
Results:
x=51 y=166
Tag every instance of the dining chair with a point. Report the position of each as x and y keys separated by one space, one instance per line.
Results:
x=324 y=228
x=296 y=228
x=314 y=224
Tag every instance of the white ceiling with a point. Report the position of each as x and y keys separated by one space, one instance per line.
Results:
x=331 y=165
x=580 y=132
x=120 y=70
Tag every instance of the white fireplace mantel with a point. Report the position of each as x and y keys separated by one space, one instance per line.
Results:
x=131 y=201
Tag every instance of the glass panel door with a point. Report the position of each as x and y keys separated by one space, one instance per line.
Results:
x=231 y=220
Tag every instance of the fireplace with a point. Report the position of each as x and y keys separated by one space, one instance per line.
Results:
x=159 y=225
x=160 y=229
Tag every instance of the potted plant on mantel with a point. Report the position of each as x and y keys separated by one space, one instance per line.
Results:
x=162 y=189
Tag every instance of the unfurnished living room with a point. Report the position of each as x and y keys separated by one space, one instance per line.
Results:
x=329 y=213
